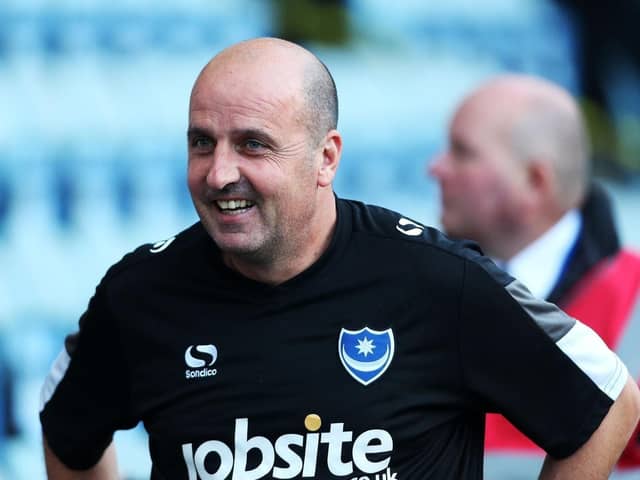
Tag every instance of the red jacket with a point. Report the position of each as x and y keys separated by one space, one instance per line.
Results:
x=603 y=299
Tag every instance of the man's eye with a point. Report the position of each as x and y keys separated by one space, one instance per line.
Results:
x=462 y=153
x=253 y=145
x=201 y=143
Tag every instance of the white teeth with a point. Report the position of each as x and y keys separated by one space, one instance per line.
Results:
x=234 y=204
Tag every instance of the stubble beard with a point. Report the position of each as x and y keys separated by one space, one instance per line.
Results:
x=257 y=248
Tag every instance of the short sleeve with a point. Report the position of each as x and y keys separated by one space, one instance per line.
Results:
x=547 y=373
x=86 y=395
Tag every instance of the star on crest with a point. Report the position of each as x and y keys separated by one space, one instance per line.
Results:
x=365 y=346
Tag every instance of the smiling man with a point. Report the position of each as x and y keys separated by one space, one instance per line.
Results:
x=291 y=334
x=263 y=151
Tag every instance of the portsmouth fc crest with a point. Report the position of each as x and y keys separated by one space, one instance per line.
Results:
x=366 y=354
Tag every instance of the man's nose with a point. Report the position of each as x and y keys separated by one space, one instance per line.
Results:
x=224 y=169
x=437 y=165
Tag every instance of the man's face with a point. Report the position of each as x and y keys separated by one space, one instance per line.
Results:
x=477 y=175
x=252 y=167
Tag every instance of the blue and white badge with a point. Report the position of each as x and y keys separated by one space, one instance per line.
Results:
x=366 y=354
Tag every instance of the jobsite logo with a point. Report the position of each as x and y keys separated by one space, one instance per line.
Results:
x=366 y=455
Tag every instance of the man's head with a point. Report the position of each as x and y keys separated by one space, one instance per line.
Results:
x=263 y=151
x=517 y=160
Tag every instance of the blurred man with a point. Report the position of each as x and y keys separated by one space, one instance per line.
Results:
x=515 y=178
x=291 y=334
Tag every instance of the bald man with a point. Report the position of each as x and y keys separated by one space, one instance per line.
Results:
x=515 y=178
x=516 y=164
x=293 y=334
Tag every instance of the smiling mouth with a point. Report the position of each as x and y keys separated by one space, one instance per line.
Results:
x=234 y=206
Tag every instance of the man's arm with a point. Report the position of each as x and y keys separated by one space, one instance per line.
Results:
x=105 y=469
x=597 y=457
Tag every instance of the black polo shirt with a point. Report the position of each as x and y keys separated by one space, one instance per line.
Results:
x=378 y=361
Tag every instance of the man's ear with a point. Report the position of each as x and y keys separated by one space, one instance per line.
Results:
x=331 y=151
x=541 y=184
x=540 y=177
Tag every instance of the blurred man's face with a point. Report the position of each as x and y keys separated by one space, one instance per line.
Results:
x=476 y=174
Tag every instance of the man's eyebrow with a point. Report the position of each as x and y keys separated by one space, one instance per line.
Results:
x=258 y=134
x=197 y=132
x=254 y=133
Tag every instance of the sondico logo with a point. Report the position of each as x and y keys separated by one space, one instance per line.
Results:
x=297 y=454
x=409 y=227
x=200 y=358
x=161 y=245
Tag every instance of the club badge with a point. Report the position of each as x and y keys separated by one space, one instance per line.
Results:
x=366 y=354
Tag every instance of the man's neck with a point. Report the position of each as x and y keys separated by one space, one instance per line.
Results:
x=519 y=236
x=540 y=263
x=288 y=262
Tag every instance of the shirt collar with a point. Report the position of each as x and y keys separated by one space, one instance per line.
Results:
x=539 y=265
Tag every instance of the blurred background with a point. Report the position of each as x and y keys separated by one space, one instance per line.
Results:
x=93 y=116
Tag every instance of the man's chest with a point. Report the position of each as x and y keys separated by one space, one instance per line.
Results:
x=290 y=390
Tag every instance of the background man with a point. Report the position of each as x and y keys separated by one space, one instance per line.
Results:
x=515 y=178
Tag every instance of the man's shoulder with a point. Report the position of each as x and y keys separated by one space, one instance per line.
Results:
x=380 y=222
x=391 y=238
x=146 y=258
